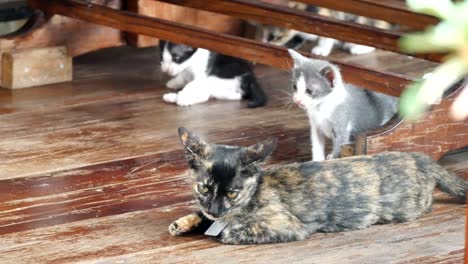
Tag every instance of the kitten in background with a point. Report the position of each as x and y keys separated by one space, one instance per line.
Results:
x=252 y=205
x=293 y=39
x=203 y=74
x=336 y=110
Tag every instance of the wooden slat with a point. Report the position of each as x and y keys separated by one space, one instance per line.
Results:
x=302 y=21
x=390 y=11
x=230 y=45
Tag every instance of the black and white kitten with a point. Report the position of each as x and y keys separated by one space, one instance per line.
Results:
x=203 y=74
x=336 y=110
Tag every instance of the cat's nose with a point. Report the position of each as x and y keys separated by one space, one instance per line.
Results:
x=297 y=101
x=214 y=210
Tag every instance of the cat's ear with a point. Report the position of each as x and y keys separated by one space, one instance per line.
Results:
x=297 y=57
x=192 y=143
x=329 y=74
x=258 y=152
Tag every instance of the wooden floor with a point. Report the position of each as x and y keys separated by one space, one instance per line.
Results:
x=93 y=172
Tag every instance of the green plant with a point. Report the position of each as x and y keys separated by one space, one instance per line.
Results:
x=449 y=36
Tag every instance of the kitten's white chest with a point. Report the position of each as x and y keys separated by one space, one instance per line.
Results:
x=321 y=111
x=199 y=63
x=320 y=118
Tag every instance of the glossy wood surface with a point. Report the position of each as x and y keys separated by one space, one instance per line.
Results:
x=93 y=172
x=384 y=82
x=179 y=14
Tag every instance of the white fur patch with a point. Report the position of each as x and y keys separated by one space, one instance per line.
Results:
x=202 y=89
x=196 y=64
x=324 y=46
x=356 y=49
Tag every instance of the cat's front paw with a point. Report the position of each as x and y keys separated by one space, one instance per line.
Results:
x=170 y=97
x=321 y=51
x=184 y=101
x=330 y=156
x=360 y=49
x=174 y=84
x=188 y=99
x=184 y=224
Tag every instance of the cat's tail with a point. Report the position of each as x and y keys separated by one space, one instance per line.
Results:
x=448 y=182
x=252 y=91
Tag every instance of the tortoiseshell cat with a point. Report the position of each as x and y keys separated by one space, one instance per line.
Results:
x=291 y=202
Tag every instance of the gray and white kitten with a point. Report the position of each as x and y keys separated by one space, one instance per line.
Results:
x=336 y=110
x=293 y=201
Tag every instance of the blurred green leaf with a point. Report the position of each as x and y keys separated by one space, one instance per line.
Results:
x=438 y=8
x=410 y=106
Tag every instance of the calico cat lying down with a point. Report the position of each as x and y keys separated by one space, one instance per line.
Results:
x=290 y=202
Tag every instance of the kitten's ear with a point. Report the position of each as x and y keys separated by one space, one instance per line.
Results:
x=296 y=56
x=258 y=152
x=192 y=143
x=329 y=74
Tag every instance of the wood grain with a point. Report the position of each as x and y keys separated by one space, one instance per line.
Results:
x=34 y=67
x=78 y=36
x=302 y=21
x=387 y=10
x=387 y=83
x=434 y=134
x=188 y=16
x=93 y=172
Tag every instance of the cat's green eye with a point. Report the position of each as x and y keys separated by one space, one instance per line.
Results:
x=203 y=189
x=232 y=194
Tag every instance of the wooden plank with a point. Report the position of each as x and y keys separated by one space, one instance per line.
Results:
x=34 y=67
x=390 y=11
x=230 y=45
x=78 y=36
x=303 y=21
x=188 y=16
x=435 y=134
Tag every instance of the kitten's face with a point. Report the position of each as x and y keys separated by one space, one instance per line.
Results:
x=174 y=57
x=224 y=178
x=274 y=34
x=309 y=84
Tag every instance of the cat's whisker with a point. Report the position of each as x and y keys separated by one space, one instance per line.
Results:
x=287 y=93
x=291 y=67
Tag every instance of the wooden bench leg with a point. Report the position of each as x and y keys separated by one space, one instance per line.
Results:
x=435 y=134
x=33 y=67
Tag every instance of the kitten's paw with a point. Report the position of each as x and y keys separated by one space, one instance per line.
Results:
x=360 y=49
x=184 y=101
x=174 y=84
x=330 y=157
x=170 y=97
x=184 y=224
x=187 y=99
x=321 y=51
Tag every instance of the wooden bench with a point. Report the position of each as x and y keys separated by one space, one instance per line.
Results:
x=435 y=134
